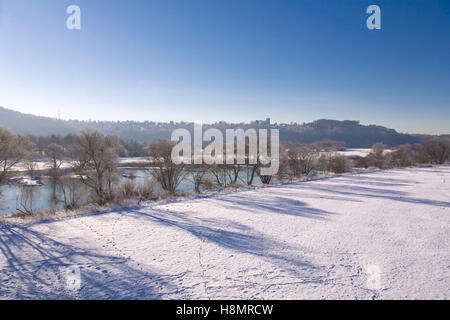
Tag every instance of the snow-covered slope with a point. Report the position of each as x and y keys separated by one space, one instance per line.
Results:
x=381 y=235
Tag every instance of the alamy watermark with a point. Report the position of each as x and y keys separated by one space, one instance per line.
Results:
x=73 y=22
x=233 y=151
x=373 y=277
x=73 y=278
x=374 y=20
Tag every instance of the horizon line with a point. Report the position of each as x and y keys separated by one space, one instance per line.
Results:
x=218 y=121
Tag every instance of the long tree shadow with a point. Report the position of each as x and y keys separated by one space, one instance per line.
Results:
x=439 y=170
x=290 y=192
x=33 y=266
x=365 y=192
x=273 y=205
x=373 y=182
x=227 y=234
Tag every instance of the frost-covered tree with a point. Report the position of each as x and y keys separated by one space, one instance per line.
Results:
x=164 y=170
x=302 y=159
x=437 y=151
x=97 y=160
x=13 y=149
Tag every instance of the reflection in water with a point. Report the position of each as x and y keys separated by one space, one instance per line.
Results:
x=16 y=198
x=25 y=203
x=55 y=194
x=69 y=193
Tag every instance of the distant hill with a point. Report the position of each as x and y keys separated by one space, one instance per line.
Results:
x=34 y=125
x=352 y=133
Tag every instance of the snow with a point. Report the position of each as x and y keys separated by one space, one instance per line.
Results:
x=46 y=164
x=355 y=152
x=352 y=152
x=26 y=181
x=321 y=239
x=39 y=165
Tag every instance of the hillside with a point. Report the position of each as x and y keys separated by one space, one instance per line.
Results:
x=352 y=133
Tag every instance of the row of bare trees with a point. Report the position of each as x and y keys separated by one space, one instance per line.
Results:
x=306 y=160
x=203 y=176
x=89 y=166
x=436 y=151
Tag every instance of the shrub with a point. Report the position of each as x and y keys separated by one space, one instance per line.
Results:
x=164 y=170
x=339 y=164
x=127 y=190
x=376 y=157
x=436 y=151
x=403 y=156
x=208 y=184
x=301 y=159
x=147 y=189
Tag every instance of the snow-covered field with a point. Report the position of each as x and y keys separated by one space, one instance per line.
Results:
x=380 y=235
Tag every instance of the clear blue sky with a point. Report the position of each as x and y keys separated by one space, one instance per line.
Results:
x=233 y=60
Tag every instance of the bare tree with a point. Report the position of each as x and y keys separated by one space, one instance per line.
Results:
x=164 y=170
x=56 y=154
x=436 y=151
x=376 y=157
x=71 y=192
x=264 y=178
x=229 y=174
x=220 y=174
x=403 y=156
x=302 y=159
x=198 y=174
x=251 y=171
x=338 y=164
x=13 y=149
x=284 y=163
x=30 y=165
x=97 y=162
x=25 y=203
x=323 y=163
x=66 y=189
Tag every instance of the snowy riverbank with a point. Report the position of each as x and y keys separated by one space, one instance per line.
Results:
x=319 y=239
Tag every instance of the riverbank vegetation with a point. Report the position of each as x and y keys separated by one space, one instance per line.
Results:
x=85 y=169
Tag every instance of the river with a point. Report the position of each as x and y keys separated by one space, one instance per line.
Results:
x=42 y=198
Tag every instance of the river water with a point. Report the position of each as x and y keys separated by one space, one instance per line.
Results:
x=11 y=195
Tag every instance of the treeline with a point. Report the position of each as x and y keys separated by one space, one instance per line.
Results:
x=85 y=168
x=133 y=148
x=435 y=151
x=353 y=133
x=300 y=160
